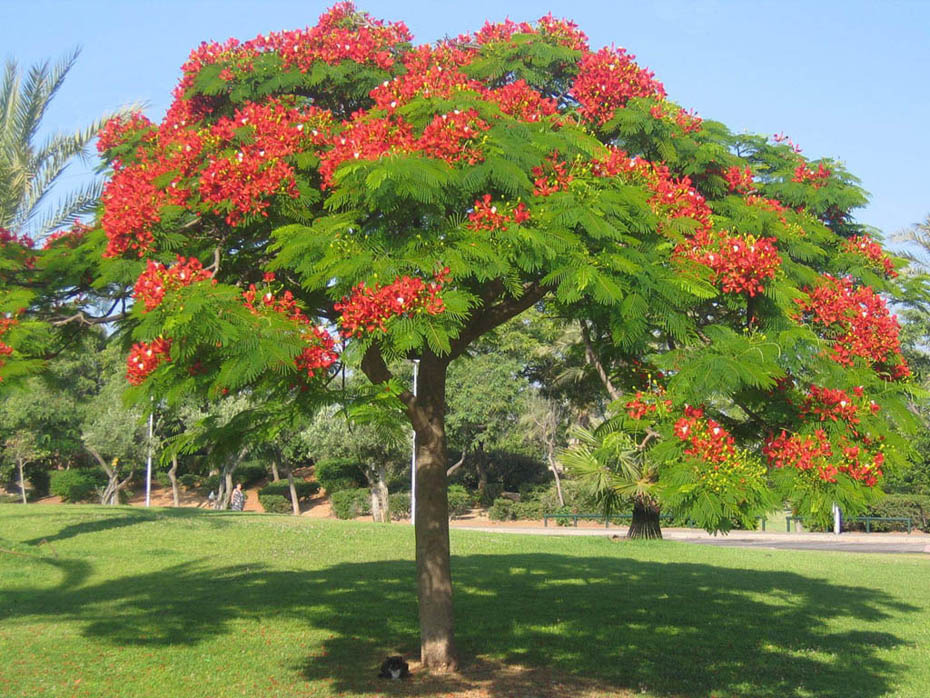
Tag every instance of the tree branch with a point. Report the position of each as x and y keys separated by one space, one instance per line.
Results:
x=495 y=315
x=592 y=359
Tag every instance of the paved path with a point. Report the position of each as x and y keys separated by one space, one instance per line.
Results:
x=846 y=542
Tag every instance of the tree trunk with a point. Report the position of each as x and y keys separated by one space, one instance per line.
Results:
x=274 y=471
x=382 y=489
x=226 y=481
x=645 y=523
x=480 y=459
x=295 y=505
x=173 y=478
x=434 y=574
x=22 y=479
x=558 y=481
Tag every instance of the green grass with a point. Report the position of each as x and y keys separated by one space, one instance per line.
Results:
x=122 y=601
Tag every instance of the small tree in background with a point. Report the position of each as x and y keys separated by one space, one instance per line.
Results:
x=339 y=180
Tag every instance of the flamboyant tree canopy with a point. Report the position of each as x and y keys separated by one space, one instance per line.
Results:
x=340 y=194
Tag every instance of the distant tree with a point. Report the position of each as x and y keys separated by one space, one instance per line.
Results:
x=22 y=448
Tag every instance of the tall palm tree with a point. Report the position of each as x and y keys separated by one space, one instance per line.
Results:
x=30 y=169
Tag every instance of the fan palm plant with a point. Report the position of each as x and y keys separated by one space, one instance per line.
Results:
x=617 y=472
x=30 y=168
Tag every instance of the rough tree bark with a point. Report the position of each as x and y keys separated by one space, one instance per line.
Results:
x=434 y=574
x=377 y=485
x=645 y=522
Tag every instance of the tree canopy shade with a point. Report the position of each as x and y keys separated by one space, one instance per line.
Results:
x=338 y=195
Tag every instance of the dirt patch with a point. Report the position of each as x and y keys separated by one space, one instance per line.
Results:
x=482 y=678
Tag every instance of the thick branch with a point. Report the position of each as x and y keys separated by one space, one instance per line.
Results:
x=592 y=359
x=495 y=315
x=84 y=319
x=457 y=465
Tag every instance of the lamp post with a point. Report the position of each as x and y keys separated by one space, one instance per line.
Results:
x=148 y=461
x=413 y=457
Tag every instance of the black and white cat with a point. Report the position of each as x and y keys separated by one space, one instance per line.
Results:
x=394 y=668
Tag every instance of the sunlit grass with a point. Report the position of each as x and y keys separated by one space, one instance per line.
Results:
x=127 y=602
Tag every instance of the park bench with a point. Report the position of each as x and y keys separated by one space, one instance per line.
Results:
x=866 y=519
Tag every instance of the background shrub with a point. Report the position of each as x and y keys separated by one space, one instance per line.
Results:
x=249 y=473
x=39 y=478
x=399 y=505
x=275 y=503
x=530 y=509
x=348 y=504
x=916 y=506
x=305 y=489
x=188 y=480
x=501 y=510
x=78 y=485
x=336 y=474
x=459 y=501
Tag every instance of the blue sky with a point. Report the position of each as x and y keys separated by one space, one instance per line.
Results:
x=843 y=79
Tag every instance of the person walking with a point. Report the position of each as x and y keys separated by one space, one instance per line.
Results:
x=237 y=501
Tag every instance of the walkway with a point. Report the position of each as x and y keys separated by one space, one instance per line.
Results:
x=846 y=542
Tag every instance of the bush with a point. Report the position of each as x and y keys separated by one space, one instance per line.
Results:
x=399 y=505
x=502 y=510
x=250 y=473
x=916 y=506
x=530 y=509
x=459 y=501
x=275 y=503
x=77 y=485
x=305 y=490
x=348 y=504
x=39 y=478
x=187 y=480
x=335 y=474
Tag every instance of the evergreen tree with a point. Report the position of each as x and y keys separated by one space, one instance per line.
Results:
x=411 y=199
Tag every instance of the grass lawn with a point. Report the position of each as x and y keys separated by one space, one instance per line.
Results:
x=122 y=601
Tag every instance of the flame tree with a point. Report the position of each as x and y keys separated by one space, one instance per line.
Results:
x=339 y=195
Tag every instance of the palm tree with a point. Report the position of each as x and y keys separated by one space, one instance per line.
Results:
x=28 y=169
x=615 y=469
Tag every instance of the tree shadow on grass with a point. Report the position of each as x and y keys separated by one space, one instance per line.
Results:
x=110 y=518
x=669 y=629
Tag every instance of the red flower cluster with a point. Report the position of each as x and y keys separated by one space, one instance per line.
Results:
x=858 y=322
x=607 y=80
x=740 y=180
x=71 y=237
x=551 y=177
x=8 y=237
x=867 y=247
x=431 y=72
x=487 y=216
x=365 y=140
x=369 y=308
x=320 y=353
x=832 y=404
x=118 y=130
x=687 y=121
x=814 y=453
x=5 y=349
x=145 y=357
x=157 y=280
x=521 y=101
x=739 y=263
x=817 y=178
x=452 y=137
x=562 y=32
x=645 y=403
x=802 y=453
x=709 y=441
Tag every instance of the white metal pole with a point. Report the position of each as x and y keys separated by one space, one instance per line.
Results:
x=148 y=462
x=413 y=457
